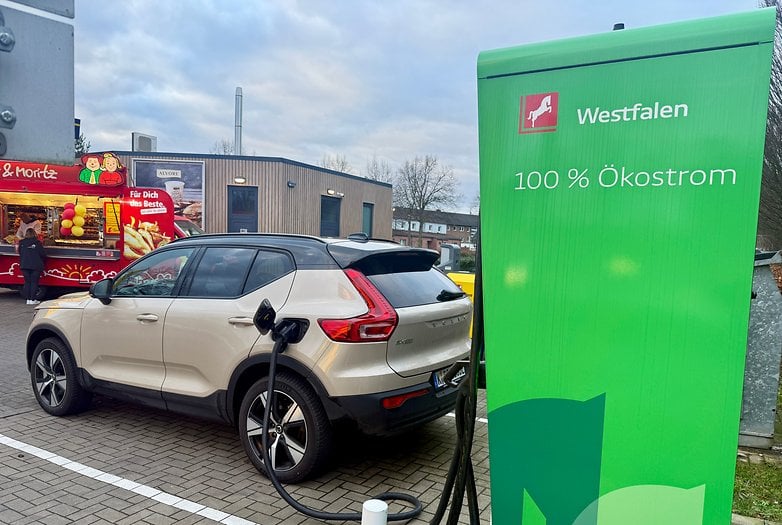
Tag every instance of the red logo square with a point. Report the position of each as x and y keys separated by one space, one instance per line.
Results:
x=539 y=113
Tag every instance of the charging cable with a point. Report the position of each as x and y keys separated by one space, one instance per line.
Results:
x=282 y=334
x=460 y=479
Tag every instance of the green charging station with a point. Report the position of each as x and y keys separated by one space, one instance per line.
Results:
x=620 y=180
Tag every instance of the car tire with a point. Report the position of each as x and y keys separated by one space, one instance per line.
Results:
x=300 y=444
x=53 y=376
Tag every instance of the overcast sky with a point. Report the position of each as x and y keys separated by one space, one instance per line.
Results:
x=391 y=79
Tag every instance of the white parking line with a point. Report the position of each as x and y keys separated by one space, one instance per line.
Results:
x=478 y=419
x=143 y=490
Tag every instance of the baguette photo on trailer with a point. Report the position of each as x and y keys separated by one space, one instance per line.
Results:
x=142 y=238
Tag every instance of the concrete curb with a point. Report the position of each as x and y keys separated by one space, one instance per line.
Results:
x=738 y=519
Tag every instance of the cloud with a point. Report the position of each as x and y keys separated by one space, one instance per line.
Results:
x=392 y=79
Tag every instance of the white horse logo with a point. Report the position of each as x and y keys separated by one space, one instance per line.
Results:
x=545 y=107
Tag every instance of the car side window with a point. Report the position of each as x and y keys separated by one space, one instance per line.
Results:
x=221 y=272
x=155 y=275
x=267 y=267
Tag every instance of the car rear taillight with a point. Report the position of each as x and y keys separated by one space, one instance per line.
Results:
x=393 y=402
x=376 y=325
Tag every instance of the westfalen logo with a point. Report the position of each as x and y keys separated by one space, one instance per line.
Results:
x=539 y=113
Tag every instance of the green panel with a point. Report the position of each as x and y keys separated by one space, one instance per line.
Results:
x=618 y=261
x=550 y=461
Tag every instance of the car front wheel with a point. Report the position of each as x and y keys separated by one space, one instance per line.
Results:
x=299 y=434
x=53 y=376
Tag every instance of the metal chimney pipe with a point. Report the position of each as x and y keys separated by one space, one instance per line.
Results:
x=238 y=123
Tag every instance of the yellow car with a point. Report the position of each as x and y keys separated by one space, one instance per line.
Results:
x=465 y=281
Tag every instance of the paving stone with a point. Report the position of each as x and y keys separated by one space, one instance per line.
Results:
x=9 y=515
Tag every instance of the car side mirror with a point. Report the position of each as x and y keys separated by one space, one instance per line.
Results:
x=264 y=317
x=101 y=290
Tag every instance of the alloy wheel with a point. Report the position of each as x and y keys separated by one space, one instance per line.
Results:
x=287 y=430
x=50 y=377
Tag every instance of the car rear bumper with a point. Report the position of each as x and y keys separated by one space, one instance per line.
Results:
x=373 y=418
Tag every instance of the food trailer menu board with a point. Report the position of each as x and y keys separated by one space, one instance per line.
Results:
x=111 y=214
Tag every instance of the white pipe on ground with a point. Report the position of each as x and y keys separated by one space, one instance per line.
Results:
x=374 y=512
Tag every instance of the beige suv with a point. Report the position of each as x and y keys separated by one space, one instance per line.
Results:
x=175 y=331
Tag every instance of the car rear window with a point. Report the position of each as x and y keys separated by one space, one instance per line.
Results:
x=221 y=272
x=415 y=288
x=268 y=267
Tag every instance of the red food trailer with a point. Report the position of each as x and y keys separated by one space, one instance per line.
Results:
x=92 y=223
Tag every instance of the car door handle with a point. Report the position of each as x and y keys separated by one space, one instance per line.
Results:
x=243 y=321
x=150 y=318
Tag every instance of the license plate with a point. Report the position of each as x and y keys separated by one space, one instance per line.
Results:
x=439 y=377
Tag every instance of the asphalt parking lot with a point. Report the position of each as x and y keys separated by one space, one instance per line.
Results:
x=122 y=464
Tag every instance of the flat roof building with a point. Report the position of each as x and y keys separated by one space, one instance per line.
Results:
x=230 y=193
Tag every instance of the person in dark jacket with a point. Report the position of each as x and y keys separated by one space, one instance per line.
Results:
x=31 y=260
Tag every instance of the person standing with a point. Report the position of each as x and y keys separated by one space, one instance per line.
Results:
x=31 y=261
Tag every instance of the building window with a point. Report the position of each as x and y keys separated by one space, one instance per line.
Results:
x=461 y=228
x=242 y=209
x=368 y=211
x=329 y=216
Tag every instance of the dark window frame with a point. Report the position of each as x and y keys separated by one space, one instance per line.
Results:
x=327 y=227
x=371 y=207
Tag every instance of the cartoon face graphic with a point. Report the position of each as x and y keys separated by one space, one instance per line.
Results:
x=110 y=164
x=93 y=163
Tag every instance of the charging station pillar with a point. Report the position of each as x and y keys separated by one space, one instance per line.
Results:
x=622 y=172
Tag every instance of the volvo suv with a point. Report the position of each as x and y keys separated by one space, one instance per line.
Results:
x=175 y=331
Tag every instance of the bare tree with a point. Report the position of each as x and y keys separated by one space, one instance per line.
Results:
x=476 y=203
x=223 y=147
x=770 y=215
x=379 y=170
x=336 y=163
x=422 y=184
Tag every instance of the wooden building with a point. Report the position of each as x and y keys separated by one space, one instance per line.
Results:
x=228 y=193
